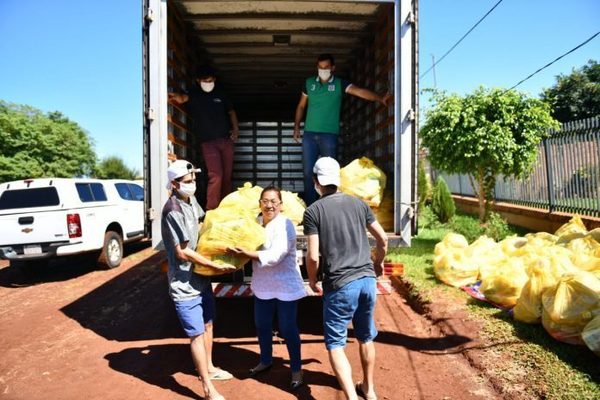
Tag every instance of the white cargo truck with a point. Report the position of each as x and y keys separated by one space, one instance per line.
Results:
x=262 y=52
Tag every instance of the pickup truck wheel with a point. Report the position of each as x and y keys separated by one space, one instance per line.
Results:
x=112 y=251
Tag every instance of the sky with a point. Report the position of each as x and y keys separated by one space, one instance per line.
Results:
x=83 y=57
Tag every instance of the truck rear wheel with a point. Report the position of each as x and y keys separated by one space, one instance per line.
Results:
x=111 y=254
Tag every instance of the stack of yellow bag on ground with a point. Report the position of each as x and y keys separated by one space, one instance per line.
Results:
x=233 y=224
x=552 y=279
x=363 y=179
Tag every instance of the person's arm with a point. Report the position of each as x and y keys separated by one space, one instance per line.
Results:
x=299 y=115
x=283 y=242
x=368 y=95
x=253 y=255
x=381 y=247
x=179 y=97
x=184 y=253
x=235 y=130
x=312 y=262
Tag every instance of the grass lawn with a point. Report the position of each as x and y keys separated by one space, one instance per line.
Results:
x=528 y=363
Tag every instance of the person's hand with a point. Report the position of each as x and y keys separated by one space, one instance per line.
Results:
x=226 y=267
x=313 y=286
x=385 y=99
x=378 y=269
x=233 y=134
x=297 y=135
x=235 y=250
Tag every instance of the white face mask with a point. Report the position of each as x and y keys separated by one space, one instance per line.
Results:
x=324 y=74
x=187 y=189
x=207 y=86
x=318 y=190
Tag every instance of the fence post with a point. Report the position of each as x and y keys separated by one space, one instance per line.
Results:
x=549 y=176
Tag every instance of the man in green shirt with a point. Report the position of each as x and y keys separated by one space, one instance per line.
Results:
x=322 y=99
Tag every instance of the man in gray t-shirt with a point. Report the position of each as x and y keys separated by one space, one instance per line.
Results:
x=191 y=293
x=336 y=227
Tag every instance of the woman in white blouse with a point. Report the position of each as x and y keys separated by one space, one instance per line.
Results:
x=277 y=285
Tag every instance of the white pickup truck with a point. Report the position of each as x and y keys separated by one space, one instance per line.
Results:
x=52 y=217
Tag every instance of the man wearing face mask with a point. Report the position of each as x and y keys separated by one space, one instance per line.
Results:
x=322 y=99
x=215 y=123
x=191 y=293
x=336 y=228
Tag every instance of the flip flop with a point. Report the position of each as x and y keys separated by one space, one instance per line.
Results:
x=220 y=375
x=361 y=393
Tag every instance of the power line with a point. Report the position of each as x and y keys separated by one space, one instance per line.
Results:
x=461 y=39
x=556 y=59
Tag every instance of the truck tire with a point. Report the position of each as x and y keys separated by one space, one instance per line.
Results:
x=111 y=254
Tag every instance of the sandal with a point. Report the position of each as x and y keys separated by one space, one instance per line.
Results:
x=220 y=375
x=297 y=380
x=259 y=368
x=361 y=392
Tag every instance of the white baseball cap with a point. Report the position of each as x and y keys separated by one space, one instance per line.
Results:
x=328 y=171
x=179 y=168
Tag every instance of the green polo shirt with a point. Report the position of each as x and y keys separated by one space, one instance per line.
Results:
x=324 y=104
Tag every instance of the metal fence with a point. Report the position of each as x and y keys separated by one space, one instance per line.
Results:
x=566 y=176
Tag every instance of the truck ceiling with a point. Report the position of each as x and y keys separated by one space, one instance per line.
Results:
x=263 y=51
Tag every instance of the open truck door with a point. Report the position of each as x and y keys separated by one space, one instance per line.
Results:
x=262 y=52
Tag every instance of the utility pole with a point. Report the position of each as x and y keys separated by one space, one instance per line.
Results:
x=433 y=66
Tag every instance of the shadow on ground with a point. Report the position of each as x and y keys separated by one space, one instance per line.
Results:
x=157 y=364
x=58 y=269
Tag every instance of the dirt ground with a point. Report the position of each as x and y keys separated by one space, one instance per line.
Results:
x=72 y=332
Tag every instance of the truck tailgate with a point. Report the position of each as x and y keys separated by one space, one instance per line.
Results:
x=34 y=227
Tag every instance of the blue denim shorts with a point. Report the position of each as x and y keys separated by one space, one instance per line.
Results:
x=194 y=313
x=353 y=302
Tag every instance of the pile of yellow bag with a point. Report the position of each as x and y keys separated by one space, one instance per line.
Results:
x=552 y=279
x=233 y=224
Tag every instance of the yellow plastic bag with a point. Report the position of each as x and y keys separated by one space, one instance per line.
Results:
x=570 y=305
x=293 y=206
x=227 y=227
x=571 y=230
x=363 y=179
x=511 y=245
x=591 y=335
x=504 y=285
x=245 y=198
x=541 y=239
x=385 y=212
x=529 y=305
x=454 y=268
x=451 y=264
x=451 y=240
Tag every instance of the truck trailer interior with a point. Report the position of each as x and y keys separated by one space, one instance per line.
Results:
x=262 y=51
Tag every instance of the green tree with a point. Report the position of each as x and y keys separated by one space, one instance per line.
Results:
x=577 y=95
x=485 y=134
x=114 y=167
x=35 y=145
x=442 y=203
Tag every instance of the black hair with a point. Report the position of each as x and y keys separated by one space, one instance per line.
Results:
x=272 y=188
x=328 y=188
x=325 y=57
x=205 y=71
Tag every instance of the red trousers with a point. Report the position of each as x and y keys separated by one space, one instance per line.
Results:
x=218 y=158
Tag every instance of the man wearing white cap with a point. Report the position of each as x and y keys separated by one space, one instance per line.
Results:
x=336 y=226
x=191 y=293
